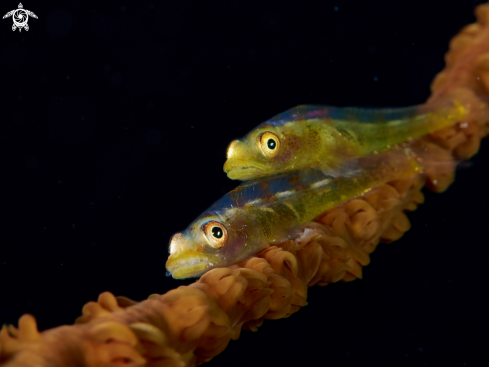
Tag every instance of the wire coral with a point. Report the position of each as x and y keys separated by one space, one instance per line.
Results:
x=192 y=324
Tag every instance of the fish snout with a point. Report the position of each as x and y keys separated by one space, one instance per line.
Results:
x=228 y=166
x=230 y=163
x=175 y=244
x=187 y=260
x=237 y=156
x=232 y=148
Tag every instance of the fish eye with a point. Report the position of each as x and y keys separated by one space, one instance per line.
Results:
x=269 y=144
x=215 y=233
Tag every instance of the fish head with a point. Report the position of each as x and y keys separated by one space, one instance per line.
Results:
x=265 y=151
x=209 y=242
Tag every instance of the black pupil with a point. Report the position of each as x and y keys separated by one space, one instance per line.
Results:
x=217 y=232
x=271 y=144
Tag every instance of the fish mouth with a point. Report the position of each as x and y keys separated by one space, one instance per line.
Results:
x=241 y=172
x=187 y=265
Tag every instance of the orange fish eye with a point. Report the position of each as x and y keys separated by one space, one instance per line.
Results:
x=215 y=233
x=269 y=144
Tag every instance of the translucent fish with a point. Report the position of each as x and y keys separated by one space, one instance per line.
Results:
x=275 y=209
x=332 y=138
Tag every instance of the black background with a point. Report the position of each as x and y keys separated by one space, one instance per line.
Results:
x=115 y=121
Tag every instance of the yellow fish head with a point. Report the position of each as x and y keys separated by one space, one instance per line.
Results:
x=266 y=151
x=209 y=242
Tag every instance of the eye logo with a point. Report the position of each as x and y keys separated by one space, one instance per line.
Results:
x=20 y=17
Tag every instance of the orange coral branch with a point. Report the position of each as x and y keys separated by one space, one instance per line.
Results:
x=192 y=324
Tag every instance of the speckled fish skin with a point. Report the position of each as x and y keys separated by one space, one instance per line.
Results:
x=330 y=138
x=276 y=209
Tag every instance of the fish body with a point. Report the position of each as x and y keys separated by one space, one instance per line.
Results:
x=332 y=138
x=275 y=209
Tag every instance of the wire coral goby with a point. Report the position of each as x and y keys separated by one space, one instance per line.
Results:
x=276 y=209
x=332 y=138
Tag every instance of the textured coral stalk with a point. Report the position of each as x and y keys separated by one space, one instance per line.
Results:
x=192 y=324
